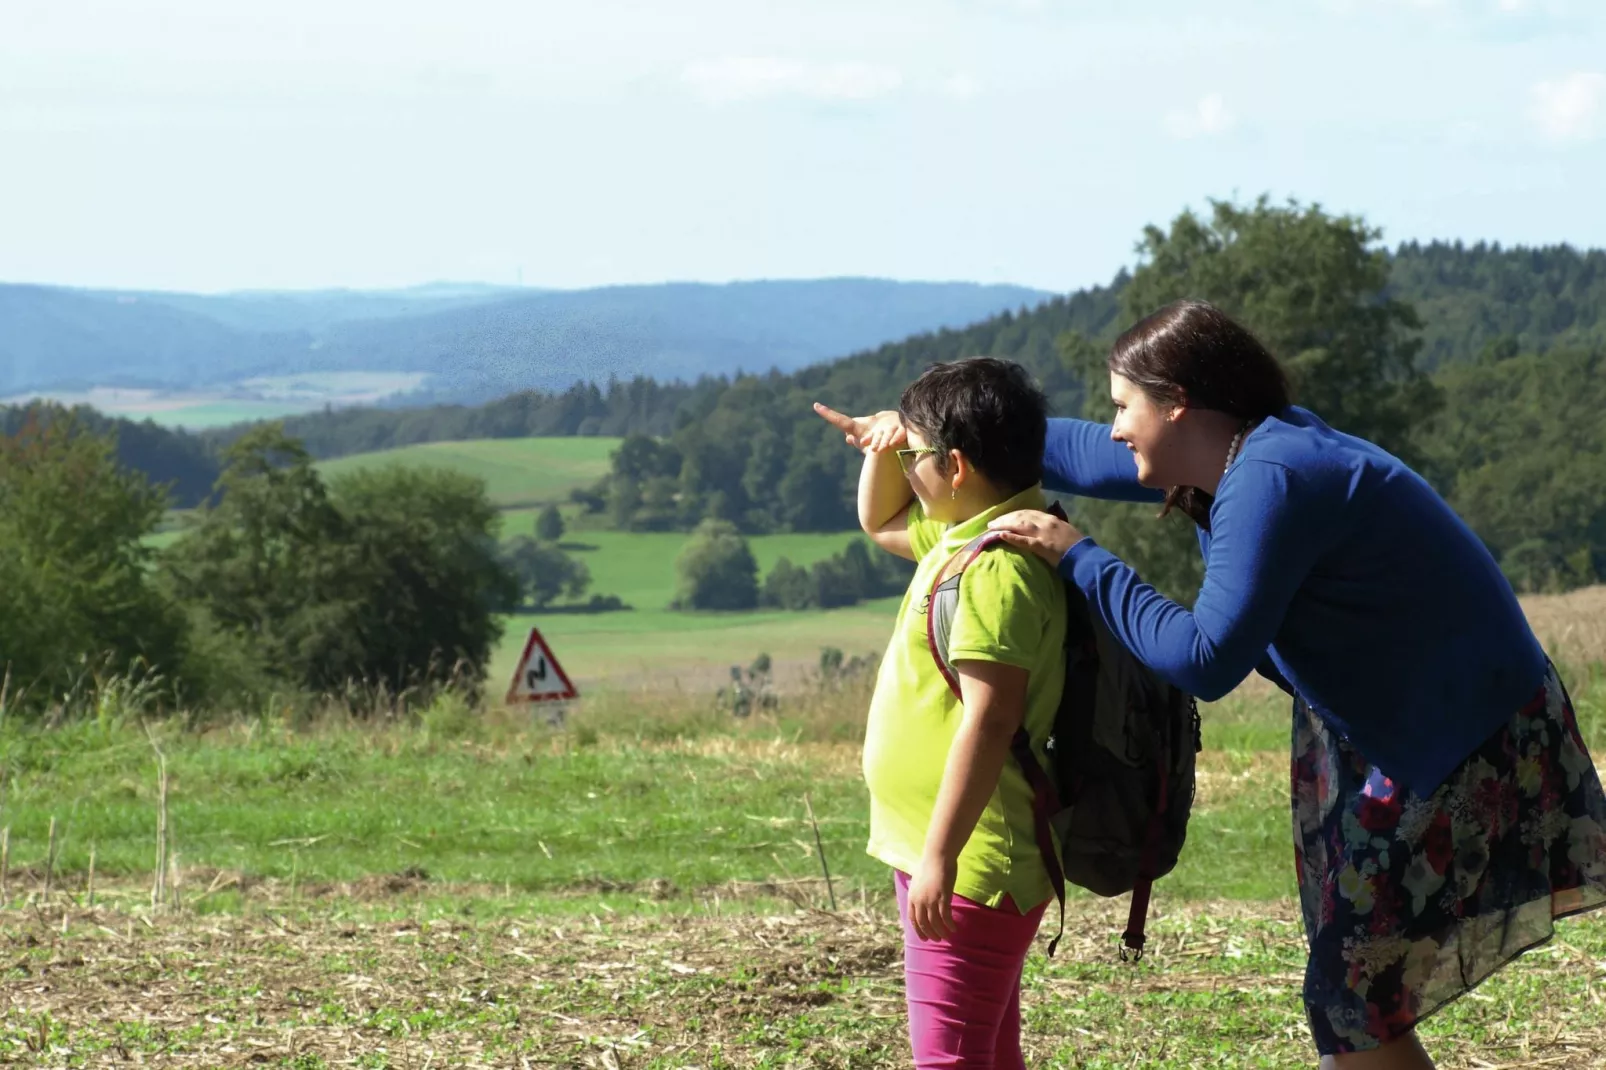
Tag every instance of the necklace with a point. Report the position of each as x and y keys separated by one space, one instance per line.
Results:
x=1232 y=450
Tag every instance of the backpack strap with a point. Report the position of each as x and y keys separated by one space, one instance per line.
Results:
x=939 y=613
x=1045 y=799
x=1045 y=804
x=1134 y=938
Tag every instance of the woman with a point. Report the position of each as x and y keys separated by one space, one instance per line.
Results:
x=1445 y=807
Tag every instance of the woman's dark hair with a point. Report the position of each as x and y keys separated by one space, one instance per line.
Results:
x=986 y=408
x=1192 y=353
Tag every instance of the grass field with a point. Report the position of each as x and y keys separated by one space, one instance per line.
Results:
x=640 y=566
x=664 y=649
x=638 y=889
x=517 y=471
x=653 y=645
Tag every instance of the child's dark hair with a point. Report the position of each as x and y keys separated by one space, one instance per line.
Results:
x=986 y=408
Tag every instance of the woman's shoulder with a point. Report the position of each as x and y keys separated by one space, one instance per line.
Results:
x=1298 y=459
x=1300 y=440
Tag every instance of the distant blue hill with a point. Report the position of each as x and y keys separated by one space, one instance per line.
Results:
x=475 y=342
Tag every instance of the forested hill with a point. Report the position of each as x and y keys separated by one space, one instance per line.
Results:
x=475 y=344
x=1445 y=355
x=1467 y=297
x=646 y=406
x=182 y=462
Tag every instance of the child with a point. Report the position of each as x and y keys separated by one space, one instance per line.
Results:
x=950 y=812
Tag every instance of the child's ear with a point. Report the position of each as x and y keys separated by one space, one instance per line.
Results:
x=959 y=468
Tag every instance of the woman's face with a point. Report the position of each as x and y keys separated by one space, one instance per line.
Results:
x=1145 y=427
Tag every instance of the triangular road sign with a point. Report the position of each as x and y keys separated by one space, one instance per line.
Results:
x=539 y=677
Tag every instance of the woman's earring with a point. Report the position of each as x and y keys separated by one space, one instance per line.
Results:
x=955 y=494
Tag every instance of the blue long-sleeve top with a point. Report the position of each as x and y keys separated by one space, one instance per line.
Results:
x=1375 y=602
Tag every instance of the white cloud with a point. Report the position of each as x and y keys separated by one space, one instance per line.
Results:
x=1206 y=118
x=1569 y=108
x=1515 y=7
x=759 y=77
x=962 y=86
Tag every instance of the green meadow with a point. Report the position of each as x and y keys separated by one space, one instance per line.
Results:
x=642 y=886
x=652 y=645
x=517 y=471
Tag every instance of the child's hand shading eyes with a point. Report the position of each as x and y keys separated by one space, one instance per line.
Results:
x=874 y=434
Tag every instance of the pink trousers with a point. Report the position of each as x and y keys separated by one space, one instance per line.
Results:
x=964 y=992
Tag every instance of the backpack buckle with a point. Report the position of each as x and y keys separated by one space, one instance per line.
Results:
x=1132 y=946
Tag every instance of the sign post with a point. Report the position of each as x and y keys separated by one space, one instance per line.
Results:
x=539 y=678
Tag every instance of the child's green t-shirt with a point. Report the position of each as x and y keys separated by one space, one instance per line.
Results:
x=1011 y=610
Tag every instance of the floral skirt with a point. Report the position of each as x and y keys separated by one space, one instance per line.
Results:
x=1411 y=901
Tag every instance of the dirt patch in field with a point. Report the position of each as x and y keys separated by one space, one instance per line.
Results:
x=805 y=988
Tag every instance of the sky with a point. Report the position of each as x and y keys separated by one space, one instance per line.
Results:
x=215 y=145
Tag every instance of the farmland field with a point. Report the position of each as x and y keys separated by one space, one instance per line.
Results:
x=637 y=889
x=517 y=471
x=664 y=649
x=262 y=398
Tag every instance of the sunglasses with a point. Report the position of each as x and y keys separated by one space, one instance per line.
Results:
x=907 y=459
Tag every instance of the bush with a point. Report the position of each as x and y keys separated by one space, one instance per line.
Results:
x=76 y=599
x=845 y=579
x=390 y=578
x=544 y=573
x=549 y=525
x=787 y=587
x=716 y=569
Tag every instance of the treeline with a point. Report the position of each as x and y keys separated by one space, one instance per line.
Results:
x=716 y=570
x=753 y=453
x=1508 y=437
x=1520 y=450
x=186 y=465
x=387 y=581
x=1472 y=296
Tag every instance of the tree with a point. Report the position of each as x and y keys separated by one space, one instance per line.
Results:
x=1521 y=449
x=270 y=560
x=75 y=596
x=843 y=579
x=389 y=576
x=549 y=525
x=716 y=569
x=428 y=581
x=788 y=587
x=1314 y=288
x=545 y=573
x=811 y=498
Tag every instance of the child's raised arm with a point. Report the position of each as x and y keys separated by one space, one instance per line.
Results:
x=884 y=492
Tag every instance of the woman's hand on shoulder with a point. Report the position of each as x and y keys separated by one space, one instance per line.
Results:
x=873 y=434
x=1044 y=535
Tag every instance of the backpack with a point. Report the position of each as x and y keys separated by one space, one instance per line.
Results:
x=1120 y=779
